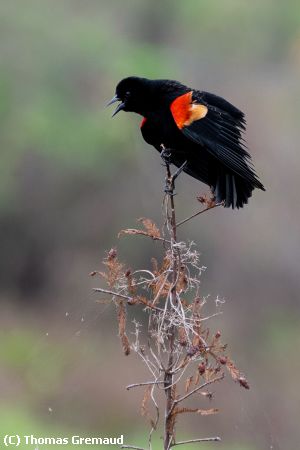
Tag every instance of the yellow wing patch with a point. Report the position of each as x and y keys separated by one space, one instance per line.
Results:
x=197 y=112
x=185 y=112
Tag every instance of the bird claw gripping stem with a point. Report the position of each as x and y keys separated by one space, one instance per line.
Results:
x=165 y=155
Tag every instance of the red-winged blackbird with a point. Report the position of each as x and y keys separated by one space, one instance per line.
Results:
x=199 y=129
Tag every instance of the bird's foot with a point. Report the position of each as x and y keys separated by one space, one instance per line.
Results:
x=165 y=155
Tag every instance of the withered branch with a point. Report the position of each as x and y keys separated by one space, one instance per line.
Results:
x=198 y=214
x=181 y=353
x=192 y=441
x=133 y=447
x=202 y=386
x=113 y=294
x=146 y=383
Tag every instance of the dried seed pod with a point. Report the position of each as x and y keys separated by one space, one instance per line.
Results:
x=201 y=368
x=223 y=359
x=128 y=273
x=243 y=382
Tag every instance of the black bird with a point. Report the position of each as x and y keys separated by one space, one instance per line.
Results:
x=198 y=128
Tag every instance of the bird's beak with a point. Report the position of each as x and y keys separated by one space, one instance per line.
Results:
x=113 y=100
x=119 y=107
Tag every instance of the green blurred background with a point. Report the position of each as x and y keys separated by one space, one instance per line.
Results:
x=70 y=178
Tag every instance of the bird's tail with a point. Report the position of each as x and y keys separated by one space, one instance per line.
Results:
x=234 y=190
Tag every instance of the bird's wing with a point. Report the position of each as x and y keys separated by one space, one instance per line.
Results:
x=214 y=123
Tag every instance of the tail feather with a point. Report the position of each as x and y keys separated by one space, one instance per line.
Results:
x=234 y=190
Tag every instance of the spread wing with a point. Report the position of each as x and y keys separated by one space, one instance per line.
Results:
x=215 y=124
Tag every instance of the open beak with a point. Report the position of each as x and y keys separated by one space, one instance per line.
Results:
x=119 y=107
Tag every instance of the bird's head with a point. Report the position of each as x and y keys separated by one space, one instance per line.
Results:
x=134 y=94
x=141 y=95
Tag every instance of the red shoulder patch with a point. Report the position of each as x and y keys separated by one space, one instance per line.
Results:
x=180 y=108
x=185 y=112
x=144 y=119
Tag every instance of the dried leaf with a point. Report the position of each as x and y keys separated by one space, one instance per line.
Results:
x=164 y=267
x=202 y=412
x=151 y=228
x=216 y=346
x=144 y=406
x=184 y=303
x=207 y=412
x=188 y=383
x=233 y=370
x=196 y=316
x=160 y=286
x=145 y=401
x=236 y=374
x=182 y=283
x=114 y=268
x=182 y=336
x=132 y=231
x=122 y=327
x=125 y=344
x=208 y=201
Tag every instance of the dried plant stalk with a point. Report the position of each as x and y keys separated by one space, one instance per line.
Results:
x=181 y=353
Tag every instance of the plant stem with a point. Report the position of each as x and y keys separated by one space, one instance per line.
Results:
x=198 y=213
x=193 y=441
x=169 y=433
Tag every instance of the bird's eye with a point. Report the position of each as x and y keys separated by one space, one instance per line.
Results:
x=127 y=95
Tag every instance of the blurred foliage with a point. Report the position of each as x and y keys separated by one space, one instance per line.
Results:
x=66 y=186
x=23 y=351
x=12 y=420
x=60 y=61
